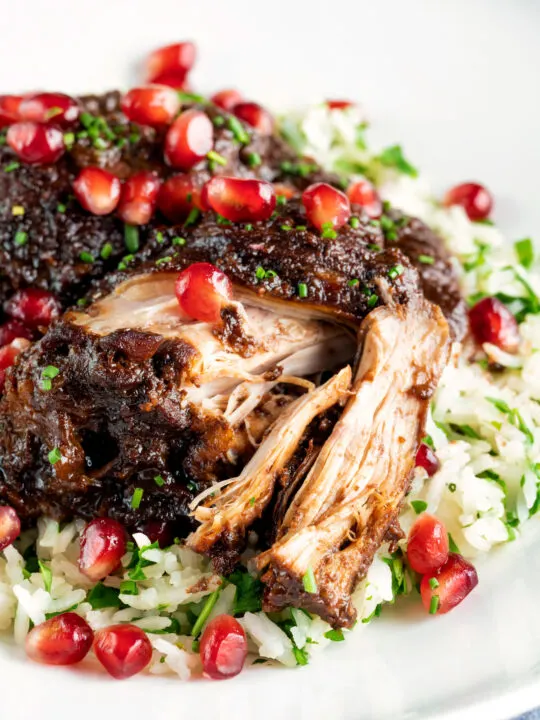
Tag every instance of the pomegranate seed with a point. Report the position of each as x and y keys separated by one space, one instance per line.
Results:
x=176 y=80
x=103 y=543
x=123 y=650
x=34 y=143
x=239 y=199
x=326 y=207
x=11 y=330
x=8 y=355
x=34 y=307
x=176 y=59
x=256 y=116
x=226 y=99
x=177 y=196
x=189 y=139
x=10 y=526
x=339 y=104
x=426 y=458
x=223 y=647
x=138 y=198
x=492 y=322
x=9 y=109
x=475 y=199
x=97 y=190
x=427 y=548
x=62 y=640
x=364 y=194
x=442 y=590
x=202 y=290
x=153 y=105
x=159 y=531
x=54 y=108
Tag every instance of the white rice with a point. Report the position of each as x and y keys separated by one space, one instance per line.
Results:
x=487 y=485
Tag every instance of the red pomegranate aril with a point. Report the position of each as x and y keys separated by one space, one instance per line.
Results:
x=138 y=198
x=202 y=290
x=123 y=650
x=427 y=547
x=177 y=58
x=63 y=640
x=53 y=108
x=240 y=199
x=153 y=105
x=97 y=190
x=223 y=648
x=159 y=531
x=475 y=199
x=103 y=543
x=34 y=143
x=189 y=139
x=33 y=307
x=426 y=458
x=492 y=322
x=442 y=590
x=326 y=207
x=226 y=99
x=10 y=526
x=177 y=197
x=174 y=80
x=256 y=116
x=364 y=194
x=8 y=355
x=339 y=104
x=9 y=109
x=11 y=330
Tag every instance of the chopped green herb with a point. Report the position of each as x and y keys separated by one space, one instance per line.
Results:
x=375 y=248
x=86 y=257
x=238 y=130
x=393 y=157
x=159 y=237
x=354 y=282
x=69 y=139
x=10 y=167
x=138 y=562
x=434 y=605
x=335 y=635
x=372 y=300
x=433 y=583
x=466 y=430
x=61 y=208
x=51 y=371
x=124 y=262
x=54 y=456
x=205 y=612
x=354 y=222
x=47 y=575
x=129 y=587
x=106 y=251
x=188 y=98
x=329 y=233
x=252 y=501
x=82 y=302
x=131 y=237
x=216 y=157
x=419 y=506
x=164 y=260
x=302 y=169
x=286 y=228
x=158 y=479
x=101 y=597
x=21 y=238
x=178 y=241
x=260 y=273
x=302 y=290
x=136 y=498
x=426 y=259
x=219 y=121
x=452 y=487
x=281 y=200
x=248 y=227
x=525 y=252
x=302 y=228
x=428 y=440
x=396 y=271
x=249 y=590
x=192 y=217
x=453 y=547
x=46 y=384
x=254 y=159
x=309 y=582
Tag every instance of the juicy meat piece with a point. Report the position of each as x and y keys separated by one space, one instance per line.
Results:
x=353 y=492
x=224 y=522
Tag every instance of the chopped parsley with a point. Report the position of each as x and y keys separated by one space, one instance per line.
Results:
x=525 y=252
x=302 y=290
x=419 y=506
x=54 y=456
x=101 y=596
x=129 y=587
x=249 y=591
x=136 y=498
x=47 y=575
x=396 y=271
x=309 y=582
x=452 y=545
x=335 y=635
x=131 y=238
x=21 y=238
x=393 y=157
x=138 y=562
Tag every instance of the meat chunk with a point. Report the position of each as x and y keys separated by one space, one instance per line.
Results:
x=352 y=495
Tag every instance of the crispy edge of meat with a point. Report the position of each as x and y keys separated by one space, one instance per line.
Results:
x=225 y=521
x=353 y=493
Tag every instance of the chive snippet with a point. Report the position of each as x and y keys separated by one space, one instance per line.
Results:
x=106 y=251
x=136 y=498
x=396 y=271
x=254 y=159
x=87 y=257
x=205 y=612
x=302 y=290
x=54 y=456
x=160 y=482
x=10 y=167
x=21 y=238
x=238 y=130
x=426 y=259
x=434 y=605
x=131 y=238
x=309 y=582
x=214 y=156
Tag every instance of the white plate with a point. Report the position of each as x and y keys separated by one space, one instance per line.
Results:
x=456 y=82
